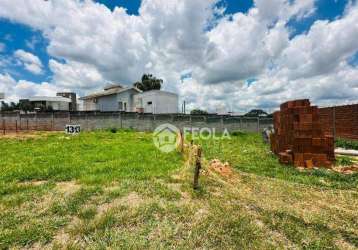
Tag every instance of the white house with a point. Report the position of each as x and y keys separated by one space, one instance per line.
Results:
x=56 y=102
x=156 y=102
x=131 y=99
x=112 y=98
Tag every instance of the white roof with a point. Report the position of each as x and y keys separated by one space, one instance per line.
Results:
x=110 y=91
x=49 y=99
x=156 y=91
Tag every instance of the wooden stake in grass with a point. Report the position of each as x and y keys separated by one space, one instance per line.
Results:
x=181 y=141
x=197 y=167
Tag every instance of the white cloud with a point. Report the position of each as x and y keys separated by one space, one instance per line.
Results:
x=15 y=90
x=76 y=76
x=31 y=62
x=326 y=46
x=272 y=10
x=94 y=45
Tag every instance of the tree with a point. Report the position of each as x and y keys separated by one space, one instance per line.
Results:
x=198 y=112
x=4 y=106
x=256 y=113
x=149 y=82
x=26 y=105
x=9 y=107
x=14 y=106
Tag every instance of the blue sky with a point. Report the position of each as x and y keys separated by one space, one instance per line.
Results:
x=25 y=35
x=326 y=10
x=17 y=36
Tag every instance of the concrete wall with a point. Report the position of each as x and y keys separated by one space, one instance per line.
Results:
x=140 y=122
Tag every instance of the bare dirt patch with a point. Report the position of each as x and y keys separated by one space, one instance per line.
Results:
x=346 y=169
x=67 y=187
x=131 y=200
x=61 y=237
x=223 y=169
x=33 y=183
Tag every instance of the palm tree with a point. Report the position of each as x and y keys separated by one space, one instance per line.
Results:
x=149 y=82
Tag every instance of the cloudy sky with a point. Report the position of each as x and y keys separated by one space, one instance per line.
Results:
x=229 y=55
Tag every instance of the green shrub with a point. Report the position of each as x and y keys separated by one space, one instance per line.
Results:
x=344 y=161
x=113 y=130
x=237 y=133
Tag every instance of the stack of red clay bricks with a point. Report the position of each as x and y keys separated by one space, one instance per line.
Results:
x=299 y=138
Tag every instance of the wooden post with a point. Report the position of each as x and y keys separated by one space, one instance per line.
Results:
x=258 y=124
x=3 y=125
x=27 y=124
x=181 y=141
x=197 y=167
x=16 y=125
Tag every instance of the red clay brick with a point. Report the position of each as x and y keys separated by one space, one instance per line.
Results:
x=299 y=138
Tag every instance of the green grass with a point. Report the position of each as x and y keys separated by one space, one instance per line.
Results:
x=114 y=189
x=90 y=157
x=347 y=144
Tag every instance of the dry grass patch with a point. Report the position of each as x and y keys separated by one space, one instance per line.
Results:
x=24 y=135
x=322 y=212
x=130 y=200
x=68 y=187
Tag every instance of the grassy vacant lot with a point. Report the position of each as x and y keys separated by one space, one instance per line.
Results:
x=115 y=190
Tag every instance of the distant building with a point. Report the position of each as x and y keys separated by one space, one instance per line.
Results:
x=80 y=104
x=112 y=98
x=156 y=102
x=131 y=99
x=72 y=96
x=57 y=103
